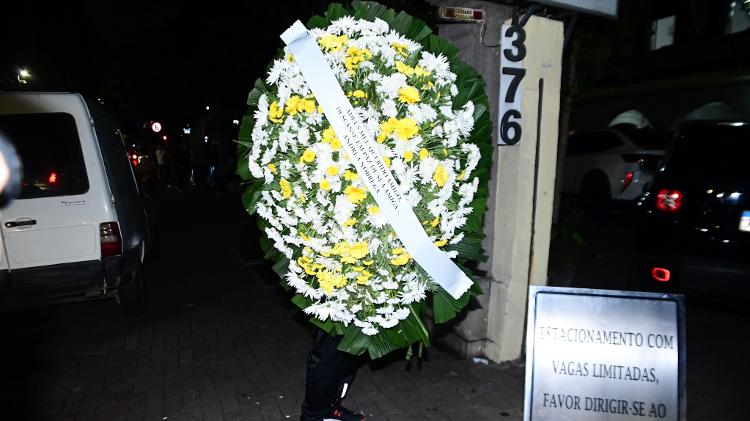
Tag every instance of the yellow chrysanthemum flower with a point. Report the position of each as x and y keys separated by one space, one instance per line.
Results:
x=307 y=156
x=441 y=175
x=441 y=243
x=329 y=136
x=272 y=167
x=296 y=104
x=355 y=56
x=408 y=95
x=406 y=128
x=350 y=222
x=325 y=185
x=286 y=188
x=408 y=156
x=329 y=281
x=420 y=71
x=307 y=105
x=386 y=128
x=341 y=248
x=291 y=105
x=401 y=259
x=359 y=250
x=373 y=210
x=332 y=43
x=364 y=277
x=401 y=49
x=350 y=175
x=423 y=153
x=332 y=171
x=404 y=68
x=275 y=112
x=355 y=194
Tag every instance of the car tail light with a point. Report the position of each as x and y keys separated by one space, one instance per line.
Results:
x=52 y=178
x=660 y=274
x=627 y=180
x=111 y=241
x=669 y=201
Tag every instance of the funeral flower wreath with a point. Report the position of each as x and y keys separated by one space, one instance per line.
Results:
x=331 y=243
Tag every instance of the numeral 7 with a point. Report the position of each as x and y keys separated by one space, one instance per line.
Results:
x=518 y=74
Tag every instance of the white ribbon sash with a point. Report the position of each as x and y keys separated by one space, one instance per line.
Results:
x=360 y=144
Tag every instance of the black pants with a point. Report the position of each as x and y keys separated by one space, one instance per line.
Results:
x=328 y=369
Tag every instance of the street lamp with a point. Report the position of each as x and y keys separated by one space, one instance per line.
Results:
x=23 y=76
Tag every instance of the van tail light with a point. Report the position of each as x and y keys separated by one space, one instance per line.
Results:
x=660 y=274
x=669 y=201
x=627 y=180
x=111 y=240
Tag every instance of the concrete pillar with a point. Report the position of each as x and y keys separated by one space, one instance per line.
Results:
x=523 y=210
x=519 y=215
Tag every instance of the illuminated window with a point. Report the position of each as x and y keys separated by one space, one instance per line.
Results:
x=662 y=32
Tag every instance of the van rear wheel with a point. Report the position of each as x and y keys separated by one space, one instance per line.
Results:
x=132 y=295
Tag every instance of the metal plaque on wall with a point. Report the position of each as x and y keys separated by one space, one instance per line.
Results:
x=604 y=355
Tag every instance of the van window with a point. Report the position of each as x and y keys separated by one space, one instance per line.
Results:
x=118 y=167
x=50 y=152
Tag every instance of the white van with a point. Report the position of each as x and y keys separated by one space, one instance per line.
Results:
x=79 y=228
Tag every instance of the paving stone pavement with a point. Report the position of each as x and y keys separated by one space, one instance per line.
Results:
x=220 y=341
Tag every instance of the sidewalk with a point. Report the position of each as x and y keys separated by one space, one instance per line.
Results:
x=444 y=388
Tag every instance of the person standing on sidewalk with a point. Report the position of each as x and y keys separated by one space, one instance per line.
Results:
x=161 y=165
x=330 y=372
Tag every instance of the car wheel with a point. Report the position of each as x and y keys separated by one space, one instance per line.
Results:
x=132 y=295
x=595 y=195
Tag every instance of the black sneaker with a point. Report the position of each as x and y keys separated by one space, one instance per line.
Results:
x=339 y=413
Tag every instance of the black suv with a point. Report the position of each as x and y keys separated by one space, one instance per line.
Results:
x=693 y=225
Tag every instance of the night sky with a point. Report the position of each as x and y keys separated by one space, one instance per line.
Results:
x=149 y=60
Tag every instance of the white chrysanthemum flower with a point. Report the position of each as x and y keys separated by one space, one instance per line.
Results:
x=261 y=113
x=422 y=113
x=343 y=209
x=344 y=25
x=427 y=168
x=389 y=108
x=438 y=65
x=370 y=331
x=389 y=85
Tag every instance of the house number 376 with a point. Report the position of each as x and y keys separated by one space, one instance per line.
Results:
x=511 y=74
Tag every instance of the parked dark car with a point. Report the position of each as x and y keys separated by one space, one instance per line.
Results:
x=693 y=225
